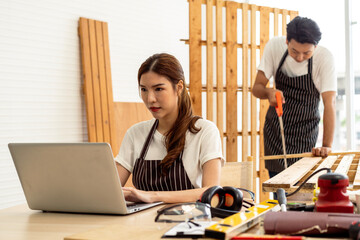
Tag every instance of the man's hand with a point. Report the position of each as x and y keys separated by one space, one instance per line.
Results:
x=321 y=151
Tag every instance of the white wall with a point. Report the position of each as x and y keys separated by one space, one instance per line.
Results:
x=40 y=78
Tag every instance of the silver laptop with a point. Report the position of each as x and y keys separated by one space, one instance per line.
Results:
x=71 y=177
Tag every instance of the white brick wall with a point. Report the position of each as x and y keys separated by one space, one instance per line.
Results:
x=40 y=82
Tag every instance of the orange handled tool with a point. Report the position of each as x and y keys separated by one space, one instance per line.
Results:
x=279 y=111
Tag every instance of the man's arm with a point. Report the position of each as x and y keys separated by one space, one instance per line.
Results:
x=329 y=124
x=261 y=91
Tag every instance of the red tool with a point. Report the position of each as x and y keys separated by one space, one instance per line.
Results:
x=279 y=111
x=333 y=196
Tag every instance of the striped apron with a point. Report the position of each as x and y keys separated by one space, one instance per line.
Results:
x=147 y=174
x=300 y=116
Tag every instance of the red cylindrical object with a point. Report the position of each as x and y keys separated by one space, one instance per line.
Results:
x=333 y=196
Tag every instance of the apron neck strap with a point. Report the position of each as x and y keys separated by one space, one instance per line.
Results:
x=148 y=139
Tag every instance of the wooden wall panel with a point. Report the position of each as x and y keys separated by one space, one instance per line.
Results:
x=234 y=85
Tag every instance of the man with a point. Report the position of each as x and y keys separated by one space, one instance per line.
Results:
x=302 y=71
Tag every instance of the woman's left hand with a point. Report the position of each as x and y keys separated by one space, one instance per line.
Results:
x=134 y=195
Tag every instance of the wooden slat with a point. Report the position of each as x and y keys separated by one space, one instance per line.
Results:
x=102 y=82
x=195 y=54
x=345 y=163
x=284 y=21
x=264 y=38
x=95 y=82
x=219 y=69
x=293 y=14
x=292 y=174
x=326 y=163
x=87 y=75
x=254 y=118
x=231 y=81
x=276 y=22
x=308 y=154
x=110 y=100
x=209 y=61
x=245 y=81
x=356 y=182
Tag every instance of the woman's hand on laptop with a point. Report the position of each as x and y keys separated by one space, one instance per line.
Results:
x=134 y=195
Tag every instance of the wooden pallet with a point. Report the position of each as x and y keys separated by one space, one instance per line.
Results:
x=291 y=178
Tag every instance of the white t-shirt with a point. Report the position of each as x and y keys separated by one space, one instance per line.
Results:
x=199 y=148
x=323 y=71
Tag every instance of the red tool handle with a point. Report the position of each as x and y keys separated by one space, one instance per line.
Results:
x=279 y=109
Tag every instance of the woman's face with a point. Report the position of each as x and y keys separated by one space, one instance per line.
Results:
x=159 y=96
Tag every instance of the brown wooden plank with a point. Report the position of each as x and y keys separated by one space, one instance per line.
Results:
x=245 y=80
x=87 y=75
x=356 y=182
x=293 y=14
x=209 y=61
x=292 y=174
x=284 y=21
x=308 y=154
x=102 y=82
x=264 y=105
x=219 y=69
x=139 y=113
x=110 y=100
x=237 y=174
x=344 y=164
x=95 y=81
x=195 y=54
x=276 y=22
x=326 y=163
x=231 y=81
x=254 y=118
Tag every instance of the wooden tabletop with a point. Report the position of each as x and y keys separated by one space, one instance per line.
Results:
x=20 y=222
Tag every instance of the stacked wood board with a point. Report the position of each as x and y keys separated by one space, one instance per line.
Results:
x=346 y=163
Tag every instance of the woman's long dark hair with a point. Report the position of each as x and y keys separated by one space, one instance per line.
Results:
x=168 y=66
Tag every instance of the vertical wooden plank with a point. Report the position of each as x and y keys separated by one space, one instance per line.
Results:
x=284 y=21
x=102 y=82
x=195 y=54
x=95 y=82
x=209 y=61
x=264 y=105
x=276 y=22
x=254 y=118
x=219 y=69
x=245 y=80
x=86 y=71
x=231 y=81
x=110 y=100
x=293 y=14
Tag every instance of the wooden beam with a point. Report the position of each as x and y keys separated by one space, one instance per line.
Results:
x=231 y=81
x=245 y=81
x=209 y=61
x=264 y=105
x=219 y=69
x=195 y=54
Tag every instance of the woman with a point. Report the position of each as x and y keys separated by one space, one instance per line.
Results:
x=176 y=156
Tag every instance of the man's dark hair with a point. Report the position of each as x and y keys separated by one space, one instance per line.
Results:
x=303 y=30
